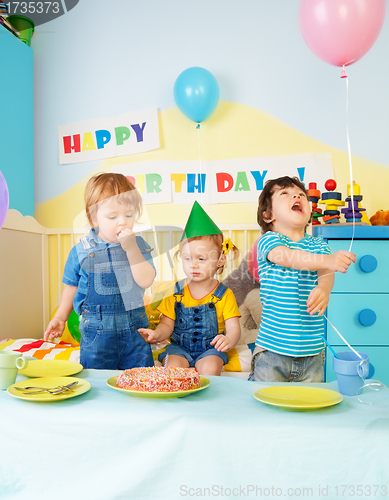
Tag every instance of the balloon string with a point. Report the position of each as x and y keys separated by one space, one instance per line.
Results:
x=351 y=177
x=374 y=386
x=200 y=165
x=344 y=340
x=370 y=385
x=351 y=167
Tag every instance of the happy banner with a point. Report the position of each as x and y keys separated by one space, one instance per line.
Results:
x=102 y=138
x=223 y=181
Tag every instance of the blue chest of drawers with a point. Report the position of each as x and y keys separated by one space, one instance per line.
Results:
x=359 y=302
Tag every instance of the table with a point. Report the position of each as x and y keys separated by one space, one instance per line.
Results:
x=219 y=442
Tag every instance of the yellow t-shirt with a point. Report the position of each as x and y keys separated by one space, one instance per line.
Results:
x=226 y=307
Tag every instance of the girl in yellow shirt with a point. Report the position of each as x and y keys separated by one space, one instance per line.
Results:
x=201 y=317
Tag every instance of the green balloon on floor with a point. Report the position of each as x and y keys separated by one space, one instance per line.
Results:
x=74 y=325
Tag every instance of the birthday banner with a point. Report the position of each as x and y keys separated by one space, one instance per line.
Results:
x=102 y=138
x=222 y=181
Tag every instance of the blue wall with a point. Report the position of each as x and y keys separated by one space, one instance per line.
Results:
x=17 y=122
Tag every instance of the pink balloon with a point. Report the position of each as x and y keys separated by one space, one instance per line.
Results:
x=340 y=32
x=4 y=199
x=252 y=261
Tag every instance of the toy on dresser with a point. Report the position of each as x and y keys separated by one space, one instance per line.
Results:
x=314 y=197
x=352 y=212
x=380 y=218
x=332 y=200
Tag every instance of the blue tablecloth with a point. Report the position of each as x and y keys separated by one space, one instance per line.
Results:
x=219 y=442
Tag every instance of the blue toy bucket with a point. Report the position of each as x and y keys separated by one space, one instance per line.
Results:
x=351 y=371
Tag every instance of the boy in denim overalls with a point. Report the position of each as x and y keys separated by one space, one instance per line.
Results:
x=201 y=317
x=105 y=278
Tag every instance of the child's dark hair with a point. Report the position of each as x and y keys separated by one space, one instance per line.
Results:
x=265 y=198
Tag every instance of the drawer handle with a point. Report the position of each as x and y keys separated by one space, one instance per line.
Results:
x=368 y=263
x=367 y=317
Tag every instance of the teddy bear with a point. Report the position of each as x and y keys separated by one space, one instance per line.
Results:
x=246 y=291
x=380 y=218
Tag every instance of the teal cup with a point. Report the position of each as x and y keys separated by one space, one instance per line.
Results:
x=351 y=371
x=10 y=363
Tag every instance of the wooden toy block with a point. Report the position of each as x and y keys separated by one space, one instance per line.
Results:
x=353 y=212
x=331 y=219
x=357 y=197
x=356 y=189
x=330 y=185
x=331 y=207
x=314 y=197
x=332 y=195
x=338 y=203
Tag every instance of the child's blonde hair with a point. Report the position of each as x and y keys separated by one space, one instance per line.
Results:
x=104 y=186
x=218 y=240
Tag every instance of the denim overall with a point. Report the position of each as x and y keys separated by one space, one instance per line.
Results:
x=195 y=327
x=112 y=312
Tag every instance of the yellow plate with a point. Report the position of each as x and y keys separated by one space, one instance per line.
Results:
x=49 y=382
x=111 y=382
x=298 y=398
x=50 y=368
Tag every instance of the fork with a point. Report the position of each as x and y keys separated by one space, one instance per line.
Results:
x=53 y=390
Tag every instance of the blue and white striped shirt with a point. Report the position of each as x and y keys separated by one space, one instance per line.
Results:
x=286 y=326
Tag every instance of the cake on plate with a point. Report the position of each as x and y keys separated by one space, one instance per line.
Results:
x=159 y=379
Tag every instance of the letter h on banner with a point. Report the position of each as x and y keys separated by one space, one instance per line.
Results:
x=191 y=183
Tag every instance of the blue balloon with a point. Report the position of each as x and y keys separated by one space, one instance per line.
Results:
x=196 y=93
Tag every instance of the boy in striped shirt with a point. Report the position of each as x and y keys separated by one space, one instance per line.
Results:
x=296 y=273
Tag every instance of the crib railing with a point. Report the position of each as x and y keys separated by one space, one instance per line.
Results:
x=163 y=240
x=51 y=249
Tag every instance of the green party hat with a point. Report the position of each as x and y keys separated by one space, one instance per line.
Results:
x=199 y=223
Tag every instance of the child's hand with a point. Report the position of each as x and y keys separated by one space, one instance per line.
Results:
x=149 y=335
x=222 y=343
x=54 y=329
x=317 y=301
x=339 y=261
x=127 y=239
